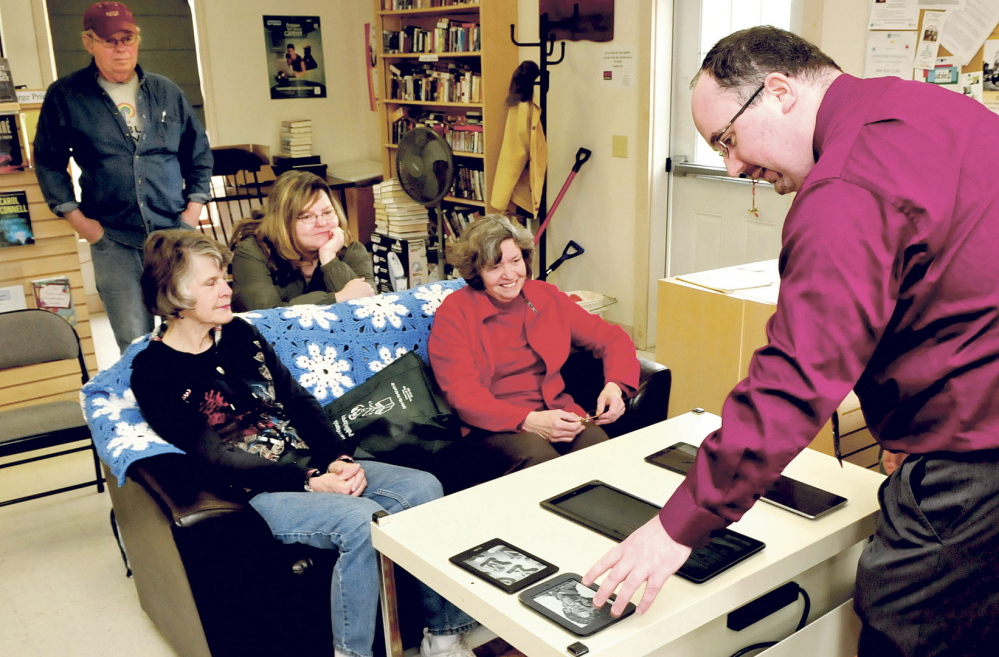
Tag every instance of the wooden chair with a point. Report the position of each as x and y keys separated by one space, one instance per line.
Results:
x=29 y=337
x=236 y=191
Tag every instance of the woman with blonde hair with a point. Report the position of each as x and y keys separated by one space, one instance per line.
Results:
x=298 y=249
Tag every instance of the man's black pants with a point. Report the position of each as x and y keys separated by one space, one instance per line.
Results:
x=928 y=583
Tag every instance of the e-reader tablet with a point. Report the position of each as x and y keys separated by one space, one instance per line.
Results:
x=616 y=514
x=504 y=565
x=568 y=602
x=787 y=493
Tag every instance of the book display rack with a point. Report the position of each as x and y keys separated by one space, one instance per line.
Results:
x=447 y=65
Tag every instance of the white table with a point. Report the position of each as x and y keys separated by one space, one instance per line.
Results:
x=687 y=618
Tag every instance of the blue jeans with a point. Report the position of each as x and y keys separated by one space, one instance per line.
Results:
x=341 y=522
x=117 y=269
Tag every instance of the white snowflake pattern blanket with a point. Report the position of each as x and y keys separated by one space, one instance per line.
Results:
x=329 y=350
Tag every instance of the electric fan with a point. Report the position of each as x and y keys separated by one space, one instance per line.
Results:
x=425 y=166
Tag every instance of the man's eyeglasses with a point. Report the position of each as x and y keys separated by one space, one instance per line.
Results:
x=127 y=40
x=311 y=218
x=716 y=141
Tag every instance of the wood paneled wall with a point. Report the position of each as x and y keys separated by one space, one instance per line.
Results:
x=54 y=253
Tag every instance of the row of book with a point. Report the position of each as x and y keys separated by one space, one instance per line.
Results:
x=469 y=183
x=457 y=219
x=439 y=83
x=296 y=138
x=52 y=294
x=447 y=36
x=11 y=154
x=461 y=137
x=394 y=5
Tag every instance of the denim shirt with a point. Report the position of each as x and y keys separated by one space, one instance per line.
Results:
x=131 y=188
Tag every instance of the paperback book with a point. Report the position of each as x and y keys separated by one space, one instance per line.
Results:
x=15 y=220
x=55 y=295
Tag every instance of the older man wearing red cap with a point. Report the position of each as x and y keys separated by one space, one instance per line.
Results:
x=143 y=154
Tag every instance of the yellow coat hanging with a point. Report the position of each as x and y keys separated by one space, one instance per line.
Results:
x=523 y=160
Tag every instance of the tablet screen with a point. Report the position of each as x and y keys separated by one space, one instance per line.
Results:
x=616 y=514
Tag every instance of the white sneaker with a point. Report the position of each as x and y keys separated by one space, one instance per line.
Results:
x=444 y=645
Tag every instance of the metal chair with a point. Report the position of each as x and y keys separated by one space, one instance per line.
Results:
x=30 y=337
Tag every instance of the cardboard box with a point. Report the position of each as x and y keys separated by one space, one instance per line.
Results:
x=398 y=264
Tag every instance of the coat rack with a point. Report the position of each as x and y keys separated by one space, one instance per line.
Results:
x=546 y=48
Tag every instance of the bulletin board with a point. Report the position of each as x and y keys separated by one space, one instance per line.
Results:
x=950 y=43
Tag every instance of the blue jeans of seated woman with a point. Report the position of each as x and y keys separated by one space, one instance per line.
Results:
x=341 y=522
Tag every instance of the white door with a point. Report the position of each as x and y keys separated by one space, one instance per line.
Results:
x=714 y=221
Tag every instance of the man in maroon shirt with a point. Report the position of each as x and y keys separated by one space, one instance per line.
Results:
x=889 y=286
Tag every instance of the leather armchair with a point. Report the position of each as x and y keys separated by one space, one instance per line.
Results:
x=216 y=583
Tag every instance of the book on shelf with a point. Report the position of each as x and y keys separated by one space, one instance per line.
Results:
x=8 y=95
x=12 y=298
x=15 y=219
x=55 y=295
x=298 y=123
x=11 y=157
x=296 y=131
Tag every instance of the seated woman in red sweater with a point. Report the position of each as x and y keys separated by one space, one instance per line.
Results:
x=497 y=347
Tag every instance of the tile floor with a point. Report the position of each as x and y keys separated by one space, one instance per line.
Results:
x=63 y=589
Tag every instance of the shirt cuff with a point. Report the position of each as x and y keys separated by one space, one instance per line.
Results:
x=63 y=208
x=686 y=523
x=199 y=198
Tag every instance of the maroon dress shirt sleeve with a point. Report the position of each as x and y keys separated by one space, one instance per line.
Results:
x=838 y=292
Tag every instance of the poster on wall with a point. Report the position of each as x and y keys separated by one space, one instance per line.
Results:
x=294 y=46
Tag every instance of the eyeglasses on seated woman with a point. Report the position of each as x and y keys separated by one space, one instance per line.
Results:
x=298 y=249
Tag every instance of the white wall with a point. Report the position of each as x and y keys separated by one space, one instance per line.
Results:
x=600 y=209
x=234 y=76
x=17 y=20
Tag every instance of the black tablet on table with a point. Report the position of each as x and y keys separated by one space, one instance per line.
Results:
x=616 y=514
x=504 y=565
x=568 y=602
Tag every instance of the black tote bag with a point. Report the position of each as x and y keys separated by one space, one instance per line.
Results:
x=398 y=415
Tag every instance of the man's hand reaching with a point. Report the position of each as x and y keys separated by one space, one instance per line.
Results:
x=648 y=556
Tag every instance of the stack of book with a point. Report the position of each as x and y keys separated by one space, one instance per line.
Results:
x=296 y=138
x=441 y=82
x=396 y=214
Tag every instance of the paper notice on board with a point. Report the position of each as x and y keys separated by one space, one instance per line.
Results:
x=990 y=72
x=966 y=29
x=929 y=39
x=619 y=68
x=890 y=53
x=894 y=15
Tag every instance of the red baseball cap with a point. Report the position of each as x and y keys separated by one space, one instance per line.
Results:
x=106 y=18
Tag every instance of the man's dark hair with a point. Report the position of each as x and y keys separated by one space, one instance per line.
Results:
x=745 y=58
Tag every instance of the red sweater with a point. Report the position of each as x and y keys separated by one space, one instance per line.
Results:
x=464 y=360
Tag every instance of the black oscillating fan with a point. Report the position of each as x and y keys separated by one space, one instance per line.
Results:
x=425 y=165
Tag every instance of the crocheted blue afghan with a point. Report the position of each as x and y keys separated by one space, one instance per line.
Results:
x=329 y=350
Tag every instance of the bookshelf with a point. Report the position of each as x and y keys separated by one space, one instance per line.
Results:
x=454 y=79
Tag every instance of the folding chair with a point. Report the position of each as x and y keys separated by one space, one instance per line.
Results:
x=30 y=337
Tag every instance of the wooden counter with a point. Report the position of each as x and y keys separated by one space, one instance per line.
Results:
x=707 y=338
